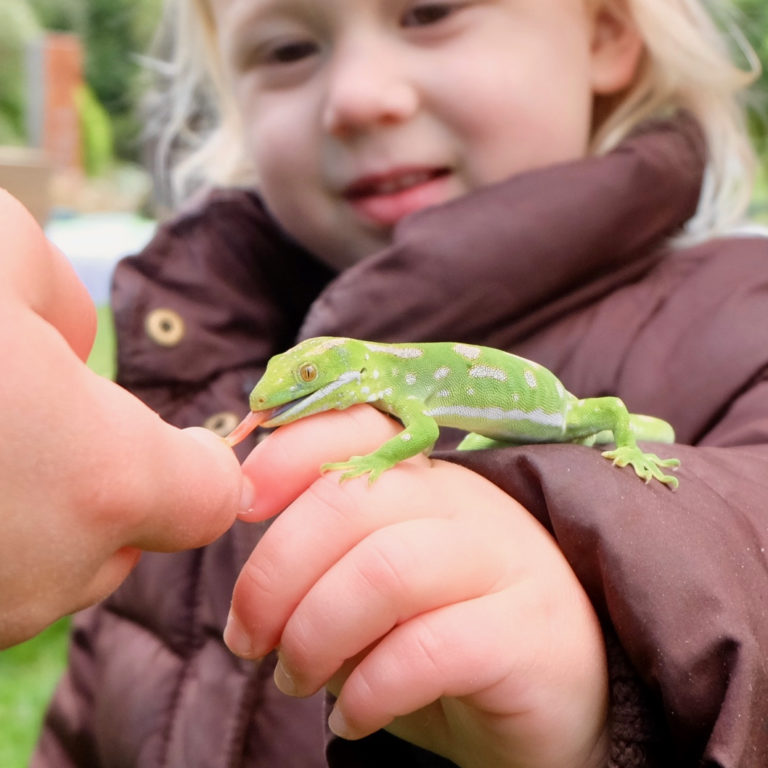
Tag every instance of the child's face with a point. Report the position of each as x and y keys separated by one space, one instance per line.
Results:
x=359 y=112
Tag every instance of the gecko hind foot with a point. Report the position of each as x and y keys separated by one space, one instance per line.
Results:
x=647 y=466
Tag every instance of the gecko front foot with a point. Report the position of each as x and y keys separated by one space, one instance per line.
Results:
x=371 y=464
x=646 y=465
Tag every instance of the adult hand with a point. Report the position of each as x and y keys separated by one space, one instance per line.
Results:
x=89 y=475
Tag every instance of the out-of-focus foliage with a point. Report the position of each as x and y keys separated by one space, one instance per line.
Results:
x=96 y=131
x=117 y=33
x=61 y=15
x=114 y=34
x=752 y=18
x=18 y=25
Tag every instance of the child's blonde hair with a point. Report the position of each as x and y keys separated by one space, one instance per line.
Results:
x=689 y=63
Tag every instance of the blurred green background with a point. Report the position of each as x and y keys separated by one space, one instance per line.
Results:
x=115 y=33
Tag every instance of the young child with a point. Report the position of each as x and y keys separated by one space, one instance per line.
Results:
x=557 y=178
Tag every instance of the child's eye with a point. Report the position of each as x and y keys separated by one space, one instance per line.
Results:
x=428 y=13
x=290 y=52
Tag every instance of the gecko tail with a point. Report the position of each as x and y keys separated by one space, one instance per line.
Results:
x=651 y=429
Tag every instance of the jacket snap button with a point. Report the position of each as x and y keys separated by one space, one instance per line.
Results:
x=165 y=327
x=222 y=423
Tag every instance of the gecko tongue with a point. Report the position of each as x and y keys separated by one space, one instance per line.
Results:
x=246 y=426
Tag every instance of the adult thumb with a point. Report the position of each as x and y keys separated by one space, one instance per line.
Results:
x=196 y=488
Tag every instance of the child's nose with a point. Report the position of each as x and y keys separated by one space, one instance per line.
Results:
x=367 y=88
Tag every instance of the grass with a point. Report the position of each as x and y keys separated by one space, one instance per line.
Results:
x=28 y=674
x=102 y=358
x=30 y=671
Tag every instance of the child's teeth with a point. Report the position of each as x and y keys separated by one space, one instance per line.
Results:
x=395 y=185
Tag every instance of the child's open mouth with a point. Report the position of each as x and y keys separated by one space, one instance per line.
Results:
x=386 y=198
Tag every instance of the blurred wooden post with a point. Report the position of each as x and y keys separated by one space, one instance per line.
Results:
x=54 y=69
x=54 y=74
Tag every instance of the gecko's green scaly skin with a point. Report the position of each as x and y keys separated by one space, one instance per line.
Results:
x=499 y=398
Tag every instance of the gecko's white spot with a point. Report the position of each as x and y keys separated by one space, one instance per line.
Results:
x=444 y=393
x=496 y=414
x=487 y=372
x=470 y=391
x=387 y=392
x=442 y=372
x=467 y=352
x=530 y=378
x=410 y=378
x=392 y=349
x=405 y=436
x=559 y=388
x=365 y=390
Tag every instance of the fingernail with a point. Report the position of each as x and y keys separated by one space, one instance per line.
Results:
x=237 y=639
x=283 y=680
x=247 y=495
x=339 y=725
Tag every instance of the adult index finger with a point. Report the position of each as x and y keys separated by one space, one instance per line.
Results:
x=37 y=273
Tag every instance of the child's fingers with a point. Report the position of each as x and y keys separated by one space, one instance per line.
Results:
x=499 y=665
x=329 y=520
x=394 y=574
x=314 y=532
x=288 y=461
x=441 y=653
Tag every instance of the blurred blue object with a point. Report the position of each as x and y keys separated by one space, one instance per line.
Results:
x=95 y=242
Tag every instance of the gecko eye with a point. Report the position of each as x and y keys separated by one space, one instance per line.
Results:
x=308 y=372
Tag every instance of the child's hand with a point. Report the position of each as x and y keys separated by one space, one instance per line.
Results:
x=88 y=474
x=431 y=603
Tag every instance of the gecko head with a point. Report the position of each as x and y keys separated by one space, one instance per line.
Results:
x=319 y=374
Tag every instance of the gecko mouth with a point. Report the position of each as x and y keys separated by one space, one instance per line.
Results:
x=254 y=419
x=273 y=413
x=271 y=417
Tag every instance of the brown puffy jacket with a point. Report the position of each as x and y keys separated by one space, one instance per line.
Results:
x=568 y=266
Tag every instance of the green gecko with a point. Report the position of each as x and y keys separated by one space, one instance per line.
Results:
x=499 y=398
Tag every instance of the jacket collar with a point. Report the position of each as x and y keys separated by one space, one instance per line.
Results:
x=487 y=267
